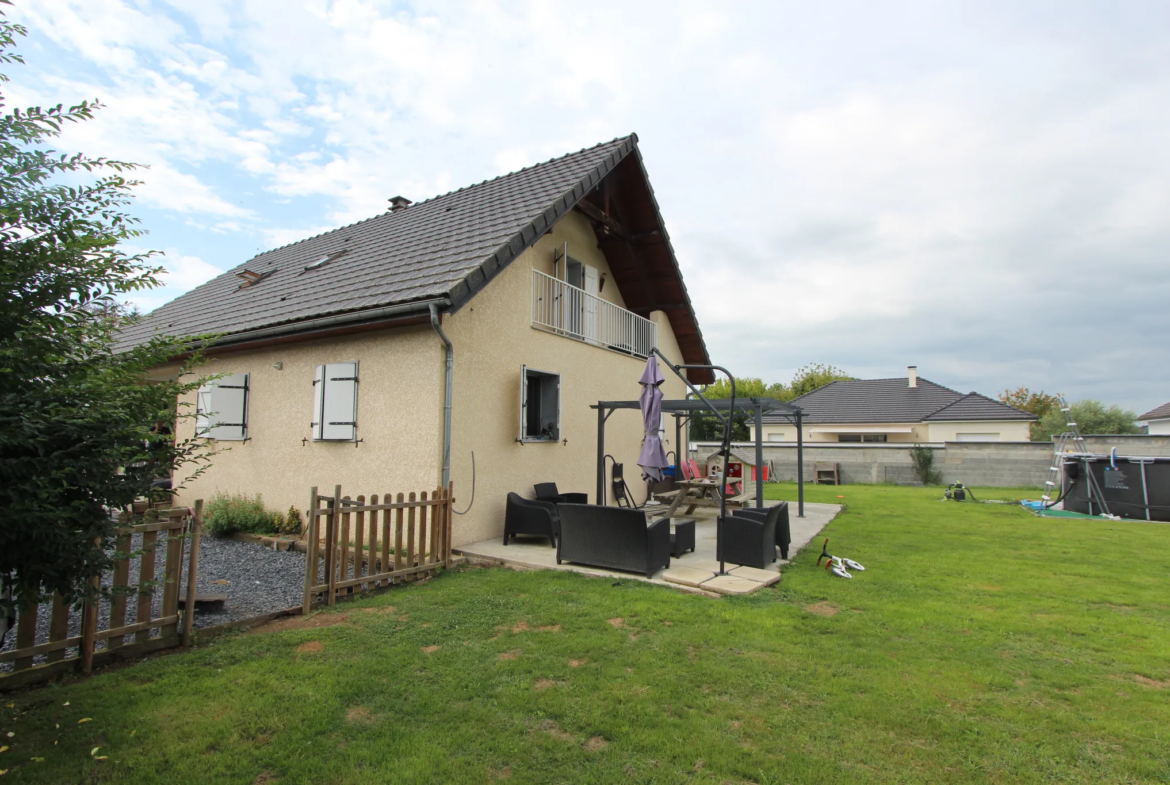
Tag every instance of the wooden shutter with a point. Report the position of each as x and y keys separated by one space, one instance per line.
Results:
x=202 y=407
x=318 y=400
x=222 y=409
x=229 y=401
x=339 y=409
x=523 y=403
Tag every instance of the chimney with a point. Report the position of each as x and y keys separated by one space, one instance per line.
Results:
x=399 y=203
x=913 y=374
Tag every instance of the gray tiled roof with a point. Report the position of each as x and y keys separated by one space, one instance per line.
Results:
x=893 y=400
x=974 y=406
x=1161 y=413
x=450 y=246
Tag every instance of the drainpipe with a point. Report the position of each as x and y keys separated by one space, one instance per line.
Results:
x=447 y=404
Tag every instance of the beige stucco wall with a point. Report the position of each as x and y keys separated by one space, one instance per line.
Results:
x=493 y=337
x=400 y=404
x=399 y=421
x=1008 y=431
x=919 y=432
x=1159 y=427
x=784 y=432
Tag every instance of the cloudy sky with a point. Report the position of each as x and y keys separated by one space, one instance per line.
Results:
x=981 y=189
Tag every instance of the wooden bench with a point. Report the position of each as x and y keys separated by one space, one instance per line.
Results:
x=827 y=473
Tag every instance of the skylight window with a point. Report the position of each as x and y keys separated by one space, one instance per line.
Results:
x=326 y=259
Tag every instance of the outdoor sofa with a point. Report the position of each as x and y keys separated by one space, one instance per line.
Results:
x=614 y=538
x=531 y=516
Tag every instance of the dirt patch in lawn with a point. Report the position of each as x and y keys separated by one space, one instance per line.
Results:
x=314 y=622
x=576 y=663
x=823 y=609
x=556 y=731
x=1158 y=685
x=544 y=684
x=549 y=628
x=616 y=622
x=265 y=778
x=359 y=715
x=509 y=655
x=431 y=649
x=310 y=647
x=596 y=744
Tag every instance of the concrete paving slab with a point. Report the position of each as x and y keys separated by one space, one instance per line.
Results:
x=688 y=576
x=536 y=553
x=766 y=577
x=729 y=584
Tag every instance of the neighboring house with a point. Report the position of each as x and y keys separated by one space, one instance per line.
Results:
x=907 y=410
x=551 y=283
x=1157 y=420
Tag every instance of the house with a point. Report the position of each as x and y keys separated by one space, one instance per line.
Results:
x=472 y=329
x=1157 y=420
x=909 y=409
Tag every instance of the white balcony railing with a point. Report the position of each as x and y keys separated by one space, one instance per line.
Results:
x=562 y=308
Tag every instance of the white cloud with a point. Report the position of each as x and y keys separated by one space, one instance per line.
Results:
x=873 y=185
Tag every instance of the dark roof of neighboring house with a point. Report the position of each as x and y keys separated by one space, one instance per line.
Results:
x=449 y=247
x=893 y=400
x=1161 y=413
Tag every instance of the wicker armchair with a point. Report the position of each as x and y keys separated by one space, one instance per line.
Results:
x=614 y=538
x=528 y=516
x=783 y=528
x=547 y=492
x=747 y=540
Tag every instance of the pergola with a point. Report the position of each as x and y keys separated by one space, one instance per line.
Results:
x=683 y=410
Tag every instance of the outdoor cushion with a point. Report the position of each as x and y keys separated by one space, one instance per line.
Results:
x=613 y=537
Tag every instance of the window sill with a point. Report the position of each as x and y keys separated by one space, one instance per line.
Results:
x=550 y=440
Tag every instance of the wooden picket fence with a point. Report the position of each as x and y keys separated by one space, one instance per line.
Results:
x=121 y=640
x=401 y=539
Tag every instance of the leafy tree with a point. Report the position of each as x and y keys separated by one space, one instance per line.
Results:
x=812 y=377
x=84 y=429
x=1038 y=403
x=1091 y=417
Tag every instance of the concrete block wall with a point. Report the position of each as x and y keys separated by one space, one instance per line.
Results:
x=990 y=464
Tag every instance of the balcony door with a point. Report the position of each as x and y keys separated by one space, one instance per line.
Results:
x=582 y=308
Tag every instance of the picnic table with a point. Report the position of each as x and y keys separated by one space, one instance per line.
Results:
x=701 y=493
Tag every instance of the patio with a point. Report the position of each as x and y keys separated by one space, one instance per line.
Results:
x=535 y=553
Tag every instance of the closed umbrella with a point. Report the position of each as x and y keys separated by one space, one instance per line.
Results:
x=653 y=457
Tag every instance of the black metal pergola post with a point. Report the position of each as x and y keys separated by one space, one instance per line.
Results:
x=679 y=409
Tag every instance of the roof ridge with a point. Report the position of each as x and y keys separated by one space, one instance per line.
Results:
x=436 y=197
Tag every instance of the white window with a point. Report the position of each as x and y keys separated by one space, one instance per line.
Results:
x=335 y=402
x=540 y=405
x=222 y=409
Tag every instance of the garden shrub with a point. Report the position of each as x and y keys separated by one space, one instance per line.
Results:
x=923 y=460
x=292 y=522
x=231 y=513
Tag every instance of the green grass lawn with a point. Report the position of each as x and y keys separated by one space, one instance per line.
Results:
x=982 y=645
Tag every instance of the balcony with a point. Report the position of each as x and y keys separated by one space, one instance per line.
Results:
x=564 y=309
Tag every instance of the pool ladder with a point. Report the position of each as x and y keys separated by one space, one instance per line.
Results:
x=1071 y=438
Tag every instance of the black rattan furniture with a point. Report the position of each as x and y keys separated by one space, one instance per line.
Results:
x=547 y=492
x=528 y=516
x=783 y=529
x=613 y=538
x=747 y=540
x=682 y=536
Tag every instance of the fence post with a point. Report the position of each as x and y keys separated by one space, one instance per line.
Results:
x=312 y=553
x=331 y=546
x=192 y=572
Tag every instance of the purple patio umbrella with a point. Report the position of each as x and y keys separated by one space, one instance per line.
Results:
x=652 y=459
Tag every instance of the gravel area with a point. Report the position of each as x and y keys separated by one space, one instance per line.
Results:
x=256 y=580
